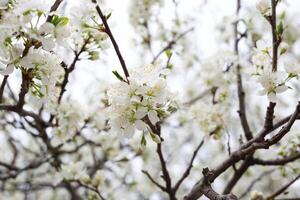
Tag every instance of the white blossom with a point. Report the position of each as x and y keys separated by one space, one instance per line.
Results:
x=71 y=171
x=262 y=57
x=6 y=70
x=145 y=97
x=211 y=118
x=47 y=70
x=70 y=119
x=273 y=83
x=263 y=6
x=292 y=67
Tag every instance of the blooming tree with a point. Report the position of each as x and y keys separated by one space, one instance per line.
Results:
x=180 y=125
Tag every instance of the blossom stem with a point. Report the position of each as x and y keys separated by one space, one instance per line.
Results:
x=275 y=38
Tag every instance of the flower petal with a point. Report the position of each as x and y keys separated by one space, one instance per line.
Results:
x=262 y=92
x=140 y=125
x=141 y=112
x=152 y=114
x=8 y=70
x=272 y=97
x=281 y=89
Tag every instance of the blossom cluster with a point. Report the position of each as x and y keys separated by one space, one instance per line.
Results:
x=31 y=39
x=140 y=103
x=28 y=42
x=70 y=119
x=76 y=171
x=142 y=11
x=274 y=82
x=211 y=118
x=89 y=30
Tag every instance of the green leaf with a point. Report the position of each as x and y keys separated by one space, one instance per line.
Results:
x=55 y=20
x=27 y=12
x=143 y=140
x=279 y=29
x=282 y=51
x=118 y=75
x=168 y=53
x=282 y=15
x=61 y=21
x=108 y=15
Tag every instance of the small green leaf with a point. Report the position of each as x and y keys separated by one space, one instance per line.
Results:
x=118 y=75
x=279 y=29
x=282 y=15
x=108 y=15
x=61 y=21
x=282 y=51
x=27 y=12
x=143 y=140
x=55 y=20
x=168 y=53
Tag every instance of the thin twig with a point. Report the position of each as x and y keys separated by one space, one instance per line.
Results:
x=4 y=81
x=282 y=189
x=189 y=168
x=256 y=180
x=110 y=35
x=153 y=181
x=171 y=44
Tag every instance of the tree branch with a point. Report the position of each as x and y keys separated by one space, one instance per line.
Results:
x=282 y=189
x=190 y=166
x=240 y=154
x=237 y=175
x=4 y=81
x=110 y=35
x=171 y=44
x=70 y=69
x=281 y=161
x=259 y=178
x=153 y=181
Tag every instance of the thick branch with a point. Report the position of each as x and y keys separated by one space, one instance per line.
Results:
x=269 y=116
x=213 y=195
x=237 y=175
x=240 y=154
